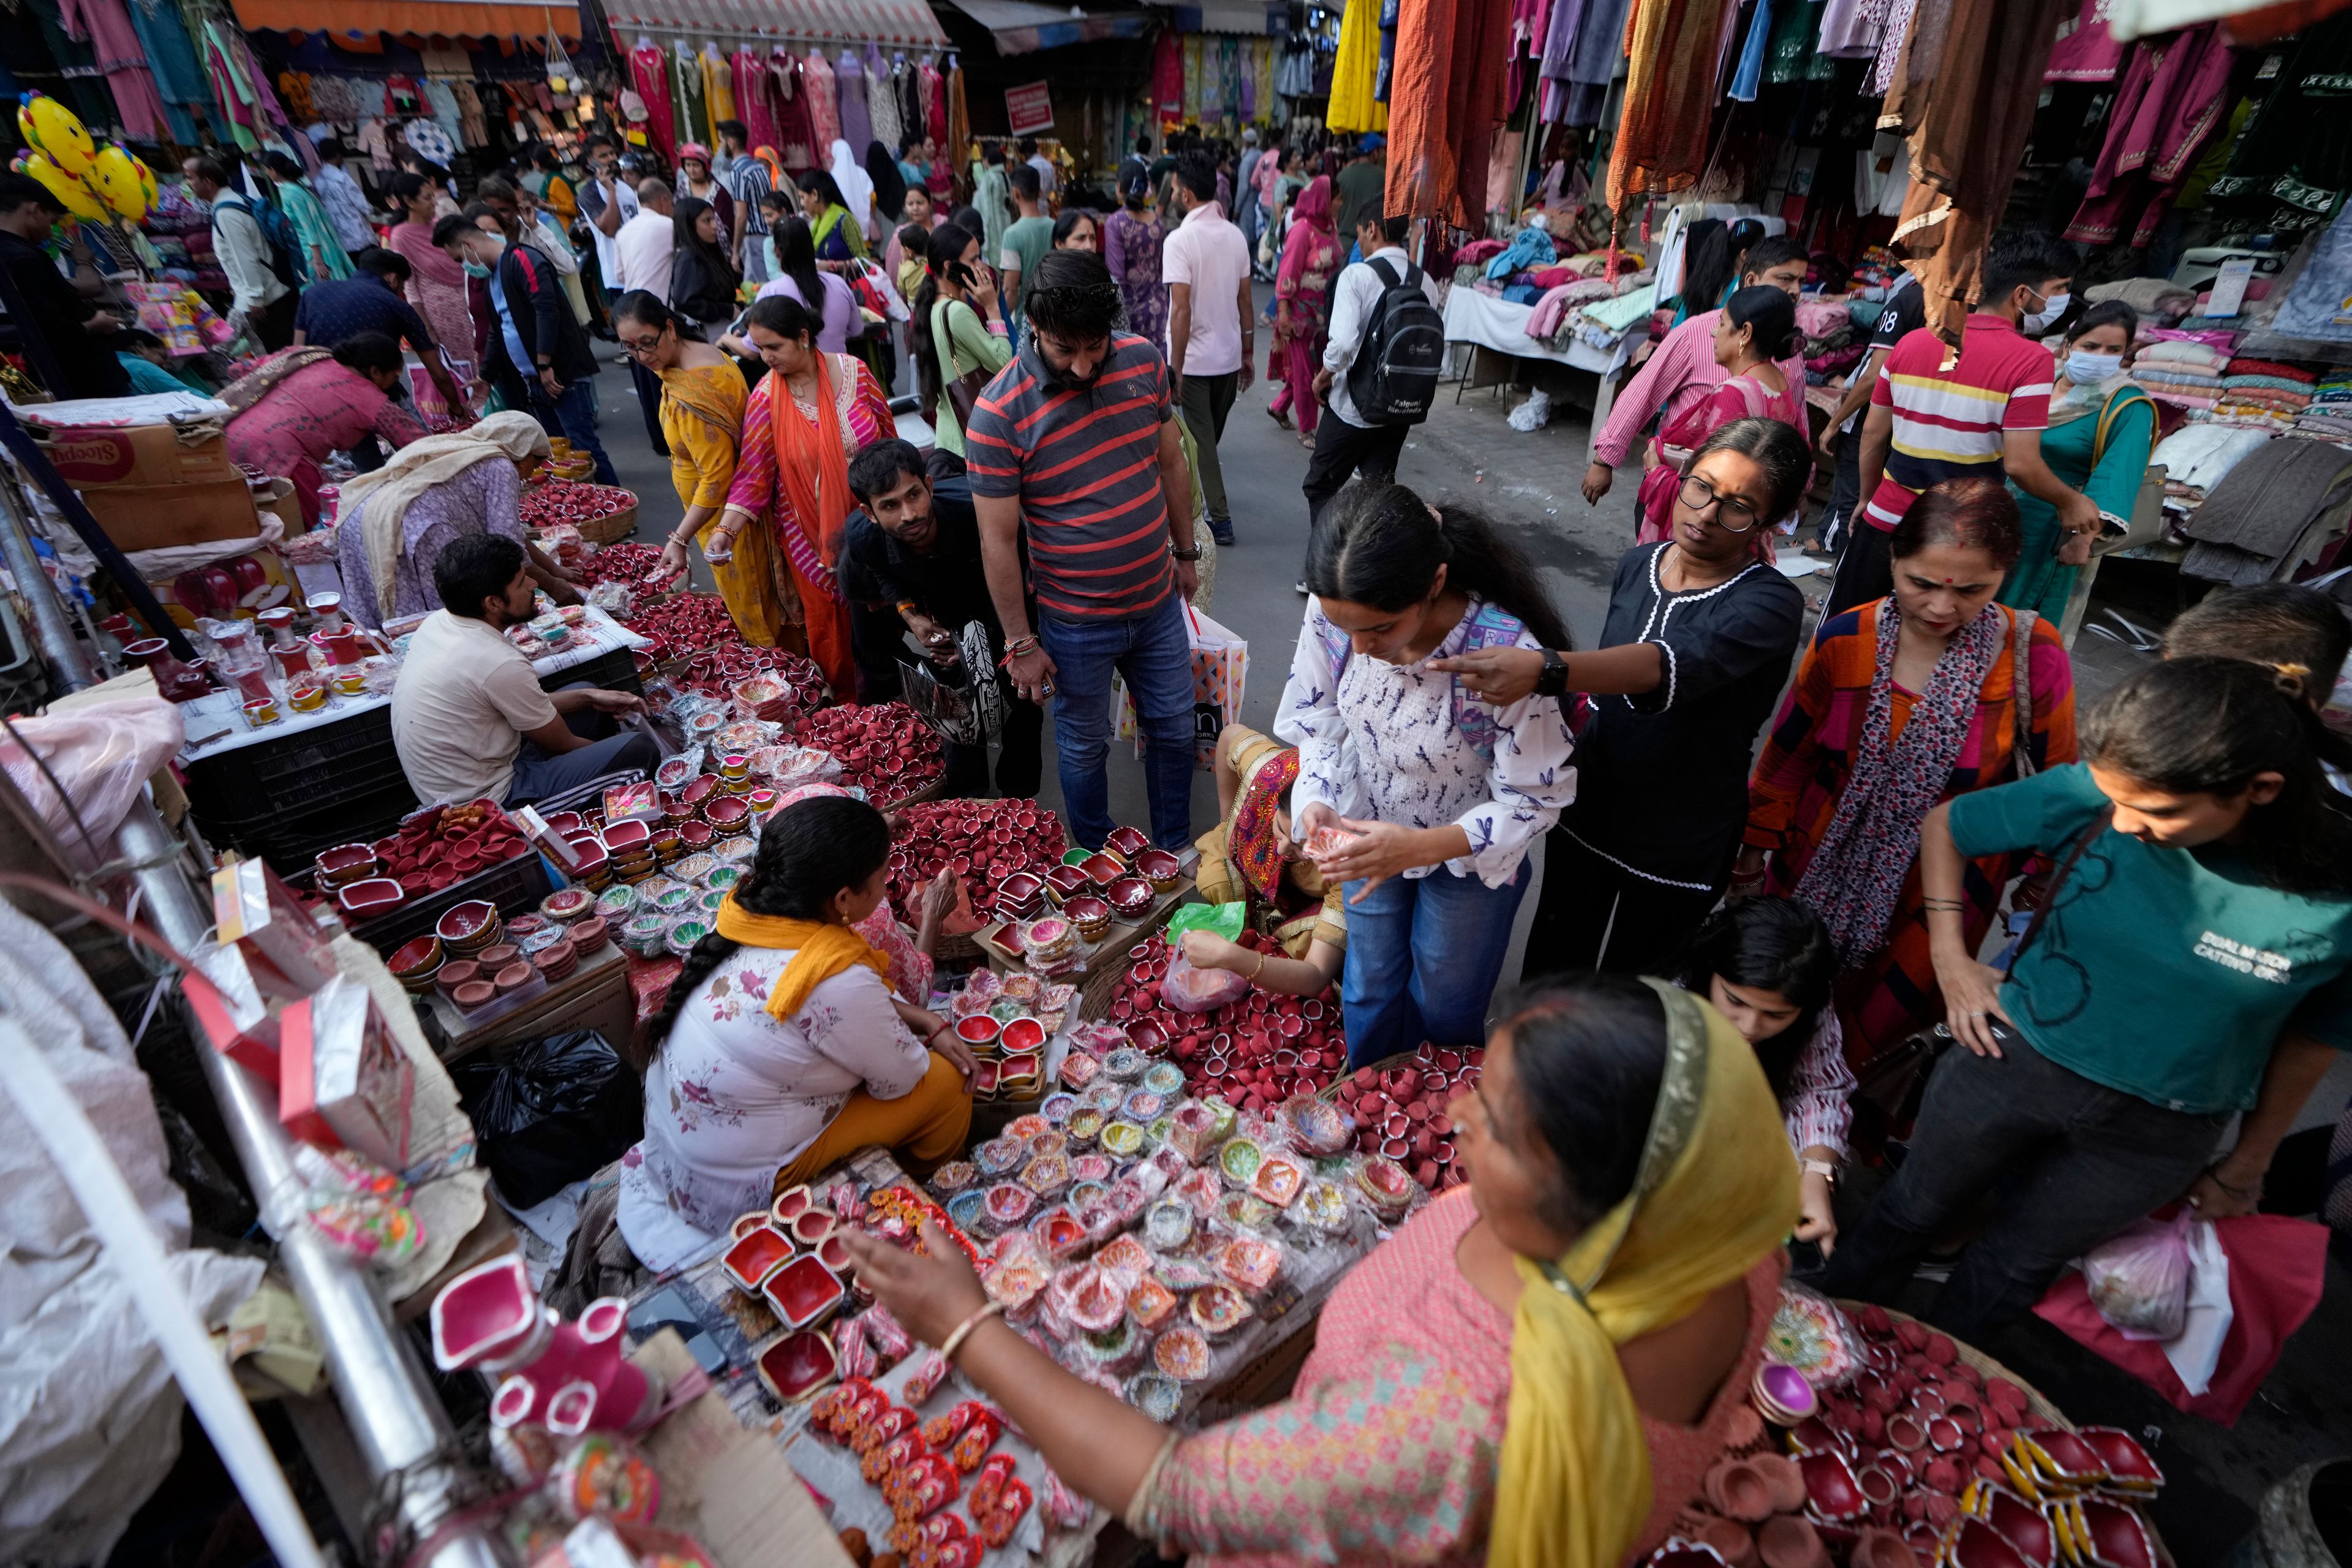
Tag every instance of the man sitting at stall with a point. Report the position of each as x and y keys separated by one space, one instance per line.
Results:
x=468 y=716
x=916 y=546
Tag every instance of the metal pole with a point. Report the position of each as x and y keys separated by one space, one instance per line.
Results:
x=394 y=1416
x=68 y=662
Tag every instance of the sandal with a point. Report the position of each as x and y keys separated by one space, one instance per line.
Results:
x=1278 y=417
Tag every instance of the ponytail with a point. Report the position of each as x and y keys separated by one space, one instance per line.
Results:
x=2208 y=725
x=1382 y=545
x=808 y=852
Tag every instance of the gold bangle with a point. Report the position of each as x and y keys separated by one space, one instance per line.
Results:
x=1261 y=967
x=964 y=1330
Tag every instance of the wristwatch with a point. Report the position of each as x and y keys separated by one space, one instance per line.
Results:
x=1191 y=554
x=1823 y=1169
x=1553 y=681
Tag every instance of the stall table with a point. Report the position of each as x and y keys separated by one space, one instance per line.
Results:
x=1251 y=1368
x=1500 y=326
x=595 y=997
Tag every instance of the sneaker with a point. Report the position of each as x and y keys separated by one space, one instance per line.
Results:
x=1302 y=584
x=1220 y=528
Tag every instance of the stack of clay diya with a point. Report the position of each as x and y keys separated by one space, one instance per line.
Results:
x=415 y=962
x=997 y=1020
x=1005 y=847
x=922 y=1467
x=1260 y=1047
x=1911 y=1456
x=1402 y=1109
x=884 y=748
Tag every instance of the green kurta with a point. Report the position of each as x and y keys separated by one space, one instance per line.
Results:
x=2038 y=583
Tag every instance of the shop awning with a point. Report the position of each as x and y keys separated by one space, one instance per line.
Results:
x=908 y=23
x=1253 y=18
x=450 y=18
x=1020 y=28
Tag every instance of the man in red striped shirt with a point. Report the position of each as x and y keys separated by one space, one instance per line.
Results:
x=1076 y=442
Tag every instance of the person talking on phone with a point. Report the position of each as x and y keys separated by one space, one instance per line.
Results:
x=956 y=328
x=914 y=546
x=2190 y=962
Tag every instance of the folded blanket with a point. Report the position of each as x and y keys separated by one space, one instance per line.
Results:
x=2197 y=355
x=2293 y=373
x=2273 y=382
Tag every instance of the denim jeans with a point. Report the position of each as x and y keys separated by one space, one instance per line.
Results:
x=1152 y=651
x=613 y=749
x=2074 y=1162
x=1424 y=953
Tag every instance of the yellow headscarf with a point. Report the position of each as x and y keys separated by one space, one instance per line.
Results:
x=825 y=951
x=1716 y=1190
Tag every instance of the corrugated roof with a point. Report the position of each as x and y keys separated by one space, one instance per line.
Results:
x=908 y=23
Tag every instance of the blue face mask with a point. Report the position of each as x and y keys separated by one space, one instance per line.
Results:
x=476 y=270
x=2088 y=367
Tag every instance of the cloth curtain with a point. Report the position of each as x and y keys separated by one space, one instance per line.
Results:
x=2170 y=106
x=1447 y=109
x=1669 y=79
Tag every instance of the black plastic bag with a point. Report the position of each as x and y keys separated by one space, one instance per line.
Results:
x=551 y=1112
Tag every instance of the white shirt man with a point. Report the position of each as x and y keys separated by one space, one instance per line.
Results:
x=1345 y=444
x=643 y=252
x=591 y=198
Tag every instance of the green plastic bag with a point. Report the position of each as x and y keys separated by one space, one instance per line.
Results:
x=1226 y=920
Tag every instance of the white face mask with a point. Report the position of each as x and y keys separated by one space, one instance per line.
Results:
x=2052 y=307
x=2085 y=367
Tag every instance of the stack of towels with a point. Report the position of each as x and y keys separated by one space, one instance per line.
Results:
x=2261 y=394
x=2182 y=370
x=2328 y=416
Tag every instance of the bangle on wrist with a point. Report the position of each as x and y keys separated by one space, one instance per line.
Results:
x=2213 y=1174
x=954 y=1341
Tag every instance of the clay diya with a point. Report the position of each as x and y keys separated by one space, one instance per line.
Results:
x=981 y=1033
x=1023 y=1034
x=1251 y=1262
x=455 y=972
x=1217 y=1309
x=1122 y=1140
x=1323 y=1206
x=757 y=1254
x=1102 y=870
x=1007 y=1206
x=1277 y=1180
x=1000 y=1157
x=1091 y=913
x=813 y=1226
x=2020 y=1524
x=1085 y=1125
x=2130 y=1470
x=953 y=1177
x=1973 y=1543
x=1156 y=1395
x=1142 y=1107
x=1056 y=1109
x=1128 y=895
x=469 y=927
x=1061 y=1237
x=1159 y=868
x=1183 y=1353
x=797 y=1366
x=1239 y=1161
x=1832 y=1490
x=2115 y=1534
x=745 y=1223
x=790 y=1205
x=1165 y=1079
x=803 y=1292
x=370 y=897
x=1127 y=842
x=1062 y=882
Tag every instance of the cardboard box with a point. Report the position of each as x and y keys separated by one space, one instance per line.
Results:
x=343 y=1083
x=284 y=951
x=152 y=517
x=93 y=457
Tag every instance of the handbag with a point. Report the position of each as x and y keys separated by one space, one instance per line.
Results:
x=963 y=390
x=1891 y=1084
x=966 y=713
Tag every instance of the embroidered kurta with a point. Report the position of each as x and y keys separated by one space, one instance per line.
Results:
x=321 y=409
x=702 y=421
x=1808 y=757
x=1387 y=742
x=1389 y=1446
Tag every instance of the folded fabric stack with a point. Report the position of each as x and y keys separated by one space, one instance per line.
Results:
x=2263 y=395
x=2196 y=458
x=1554 y=312
x=1602 y=323
x=2330 y=416
x=2183 y=371
x=2156 y=298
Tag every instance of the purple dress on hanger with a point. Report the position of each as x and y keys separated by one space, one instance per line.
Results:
x=849 y=88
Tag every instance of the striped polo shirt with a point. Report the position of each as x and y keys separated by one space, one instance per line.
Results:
x=1950 y=424
x=1084 y=465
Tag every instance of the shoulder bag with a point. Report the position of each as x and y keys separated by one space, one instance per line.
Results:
x=963 y=391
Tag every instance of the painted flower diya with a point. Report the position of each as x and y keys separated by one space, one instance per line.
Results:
x=1088 y=1167
x=1078 y=1069
x=757 y=1254
x=1165 y=1079
x=1167 y=1224
x=965 y=1208
x=1103 y=1097
x=1122 y=1140
x=1000 y=1157
x=1183 y=1353
x=1277 y=1180
x=1152 y=1304
x=1245 y=1211
x=1059 y=1232
x=1388 y=1184
x=1056 y=1109
x=1217 y=1309
x=954 y=1177
x=1239 y=1160
x=1142 y=1106
x=803 y=1292
x=1085 y=1125
x=1323 y=1206
x=1126 y=1064
x=1095 y=1298
x=1156 y=1395
x=1250 y=1262
x=1124 y=1257
x=797 y=1366
x=1047 y=1175
x=1007 y=1206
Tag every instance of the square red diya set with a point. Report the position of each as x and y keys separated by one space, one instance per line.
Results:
x=1004 y=1021
x=1003 y=847
x=1904 y=1452
x=433 y=850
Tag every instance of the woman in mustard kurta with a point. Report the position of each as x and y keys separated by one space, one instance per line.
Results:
x=703 y=395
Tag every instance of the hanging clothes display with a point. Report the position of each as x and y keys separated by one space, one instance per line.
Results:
x=717 y=89
x=1192 y=82
x=1893 y=40
x=1262 y=77
x=935 y=110
x=881 y=105
x=2167 y=108
x=849 y=95
x=115 y=49
x=2089 y=50
x=686 y=95
x=1167 y=75
x=649 y=71
x=959 y=112
x=1384 y=74
x=1353 y=106
x=1970 y=122
x=81 y=90
x=1669 y=90
x=1581 y=46
x=1448 y=106
x=2294 y=157
x=824 y=111
x=1748 y=77
x=755 y=96
x=795 y=113
x=1791 y=55
x=179 y=76
x=1851 y=28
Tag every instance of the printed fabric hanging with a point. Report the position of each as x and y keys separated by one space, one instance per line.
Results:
x=1673 y=46
x=649 y=72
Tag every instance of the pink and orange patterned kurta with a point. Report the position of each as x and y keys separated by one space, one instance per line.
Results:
x=1387 y=1450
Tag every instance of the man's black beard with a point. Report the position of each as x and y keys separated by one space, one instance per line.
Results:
x=1064 y=379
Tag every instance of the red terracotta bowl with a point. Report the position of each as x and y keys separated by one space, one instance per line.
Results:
x=803 y=1292
x=758 y=1253
x=370 y=897
x=797 y=1365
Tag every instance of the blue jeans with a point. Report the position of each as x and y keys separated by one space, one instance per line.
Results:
x=1151 y=650
x=1424 y=955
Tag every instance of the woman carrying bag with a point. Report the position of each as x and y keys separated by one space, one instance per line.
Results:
x=958 y=339
x=2101 y=429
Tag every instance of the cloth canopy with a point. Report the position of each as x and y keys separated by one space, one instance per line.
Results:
x=451 y=18
x=886 y=22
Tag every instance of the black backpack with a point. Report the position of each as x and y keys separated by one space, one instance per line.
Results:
x=285 y=258
x=1394 y=378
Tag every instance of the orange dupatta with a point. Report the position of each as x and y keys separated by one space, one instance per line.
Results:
x=810 y=467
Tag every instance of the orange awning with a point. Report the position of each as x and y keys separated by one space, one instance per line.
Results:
x=450 y=18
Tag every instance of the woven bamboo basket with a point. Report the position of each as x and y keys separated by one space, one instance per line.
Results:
x=614 y=527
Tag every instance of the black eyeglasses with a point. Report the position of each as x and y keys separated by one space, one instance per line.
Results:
x=1733 y=515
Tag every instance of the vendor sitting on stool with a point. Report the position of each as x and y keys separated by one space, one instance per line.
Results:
x=784 y=1046
x=1250 y=858
x=468 y=716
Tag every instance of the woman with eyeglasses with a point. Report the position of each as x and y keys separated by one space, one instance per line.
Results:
x=1696 y=643
x=1901 y=704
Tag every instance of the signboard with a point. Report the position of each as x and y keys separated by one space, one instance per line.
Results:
x=1029 y=109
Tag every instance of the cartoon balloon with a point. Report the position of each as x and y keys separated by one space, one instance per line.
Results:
x=50 y=127
x=147 y=186
x=71 y=193
x=114 y=176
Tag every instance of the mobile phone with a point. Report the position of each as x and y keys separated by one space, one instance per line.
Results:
x=665 y=1308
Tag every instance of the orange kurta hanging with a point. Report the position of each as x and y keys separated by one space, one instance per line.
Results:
x=1673 y=48
x=1445 y=105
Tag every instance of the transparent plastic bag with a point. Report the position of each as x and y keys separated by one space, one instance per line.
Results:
x=2139 y=1280
x=1191 y=989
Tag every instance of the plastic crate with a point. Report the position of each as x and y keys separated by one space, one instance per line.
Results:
x=289 y=840
x=514 y=886
x=301 y=773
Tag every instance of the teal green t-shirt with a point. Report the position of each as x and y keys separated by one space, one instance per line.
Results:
x=1026 y=241
x=2168 y=974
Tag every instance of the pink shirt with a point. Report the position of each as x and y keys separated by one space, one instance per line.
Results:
x=1677 y=376
x=1208 y=253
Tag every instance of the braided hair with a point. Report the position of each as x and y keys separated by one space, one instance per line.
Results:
x=808 y=852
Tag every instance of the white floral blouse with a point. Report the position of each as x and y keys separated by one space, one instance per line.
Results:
x=735 y=1095
x=1390 y=742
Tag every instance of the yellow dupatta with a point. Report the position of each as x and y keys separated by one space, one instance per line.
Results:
x=1716 y=1191
x=825 y=951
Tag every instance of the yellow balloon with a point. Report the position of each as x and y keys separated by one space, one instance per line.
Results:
x=71 y=193
x=114 y=176
x=147 y=186
x=50 y=127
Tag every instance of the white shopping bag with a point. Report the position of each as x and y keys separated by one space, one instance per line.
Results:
x=1219 y=669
